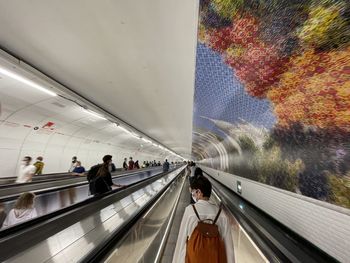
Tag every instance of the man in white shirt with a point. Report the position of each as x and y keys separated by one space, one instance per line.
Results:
x=73 y=164
x=26 y=171
x=201 y=191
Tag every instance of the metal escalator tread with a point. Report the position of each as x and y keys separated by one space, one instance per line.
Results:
x=174 y=231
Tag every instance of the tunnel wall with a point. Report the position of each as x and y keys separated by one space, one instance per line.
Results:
x=272 y=107
x=34 y=124
x=324 y=225
x=272 y=94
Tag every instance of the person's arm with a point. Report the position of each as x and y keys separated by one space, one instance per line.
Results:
x=180 y=249
x=31 y=173
x=110 y=181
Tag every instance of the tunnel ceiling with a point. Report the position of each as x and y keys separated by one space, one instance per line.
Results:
x=135 y=59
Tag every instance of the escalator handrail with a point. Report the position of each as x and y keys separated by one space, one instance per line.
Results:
x=65 y=176
x=29 y=233
x=72 y=185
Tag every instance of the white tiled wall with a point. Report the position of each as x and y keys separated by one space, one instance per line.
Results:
x=325 y=225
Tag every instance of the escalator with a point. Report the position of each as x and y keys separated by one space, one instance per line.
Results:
x=256 y=236
x=54 y=180
x=141 y=223
x=79 y=229
x=55 y=198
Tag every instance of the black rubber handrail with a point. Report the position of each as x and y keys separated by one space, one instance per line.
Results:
x=73 y=185
x=276 y=241
x=18 y=238
x=65 y=176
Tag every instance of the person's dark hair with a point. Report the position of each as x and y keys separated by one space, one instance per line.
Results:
x=198 y=172
x=40 y=158
x=74 y=157
x=107 y=158
x=203 y=184
x=28 y=158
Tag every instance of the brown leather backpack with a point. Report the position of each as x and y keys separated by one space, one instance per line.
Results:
x=205 y=244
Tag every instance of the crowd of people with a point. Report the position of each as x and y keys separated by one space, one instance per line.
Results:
x=131 y=165
x=27 y=170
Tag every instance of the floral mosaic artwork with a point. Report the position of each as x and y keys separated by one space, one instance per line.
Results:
x=272 y=94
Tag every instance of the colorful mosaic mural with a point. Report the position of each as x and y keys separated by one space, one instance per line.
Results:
x=272 y=95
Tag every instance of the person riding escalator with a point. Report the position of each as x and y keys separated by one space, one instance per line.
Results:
x=100 y=178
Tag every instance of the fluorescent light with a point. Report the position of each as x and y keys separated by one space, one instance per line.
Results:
x=92 y=113
x=26 y=81
x=146 y=140
x=129 y=132
x=122 y=128
x=135 y=135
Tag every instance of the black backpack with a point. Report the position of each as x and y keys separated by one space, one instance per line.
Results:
x=93 y=172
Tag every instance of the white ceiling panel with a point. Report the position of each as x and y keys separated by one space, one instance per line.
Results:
x=136 y=59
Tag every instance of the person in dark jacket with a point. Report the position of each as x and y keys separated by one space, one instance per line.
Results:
x=125 y=164
x=102 y=182
x=131 y=164
x=166 y=166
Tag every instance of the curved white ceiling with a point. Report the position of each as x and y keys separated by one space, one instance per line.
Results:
x=135 y=59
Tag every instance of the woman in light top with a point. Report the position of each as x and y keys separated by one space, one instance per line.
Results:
x=23 y=210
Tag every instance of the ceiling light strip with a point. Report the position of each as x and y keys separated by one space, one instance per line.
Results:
x=28 y=82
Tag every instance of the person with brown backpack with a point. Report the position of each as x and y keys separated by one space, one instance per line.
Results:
x=204 y=234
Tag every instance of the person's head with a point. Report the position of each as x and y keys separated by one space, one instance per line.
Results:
x=74 y=159
x=40 y=158
x=198 y=172
x=201 y=188
x=26 y=160
x=25 y=201
x=125 y=159
x=166 y=160
x=78 y=163
x=130 y=158
x=107 y=159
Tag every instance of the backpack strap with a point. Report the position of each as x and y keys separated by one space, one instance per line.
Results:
x=195 y=211
x=217 y=216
